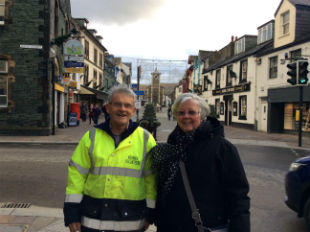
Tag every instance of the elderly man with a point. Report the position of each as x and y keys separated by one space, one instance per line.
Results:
x=111 y=186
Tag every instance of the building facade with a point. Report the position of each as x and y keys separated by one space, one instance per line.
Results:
x=32 y=98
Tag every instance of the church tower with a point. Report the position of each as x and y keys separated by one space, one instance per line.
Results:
x=155 y=88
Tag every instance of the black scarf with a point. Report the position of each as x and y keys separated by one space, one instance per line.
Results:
x=166 y=157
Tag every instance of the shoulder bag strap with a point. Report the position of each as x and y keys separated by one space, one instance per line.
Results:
x=195 y=212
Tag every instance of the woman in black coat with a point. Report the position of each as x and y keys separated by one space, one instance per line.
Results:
x=215 y=172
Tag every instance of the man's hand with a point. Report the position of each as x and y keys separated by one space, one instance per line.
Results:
x=75 y=227
x=146 y=225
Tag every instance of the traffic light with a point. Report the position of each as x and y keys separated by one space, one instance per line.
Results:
x=302 y=72
x=292 y=73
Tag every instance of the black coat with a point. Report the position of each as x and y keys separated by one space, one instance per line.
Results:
x=218 y=183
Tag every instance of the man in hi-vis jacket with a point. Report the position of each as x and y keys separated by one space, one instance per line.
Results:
x=111 y=186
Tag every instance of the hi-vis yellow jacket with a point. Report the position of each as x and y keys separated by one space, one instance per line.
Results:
x=113 y=180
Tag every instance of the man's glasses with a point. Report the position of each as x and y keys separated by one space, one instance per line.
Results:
x=120 y=105
x=190 y=113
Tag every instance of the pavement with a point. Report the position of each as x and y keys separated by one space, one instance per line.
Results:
x=41 y=219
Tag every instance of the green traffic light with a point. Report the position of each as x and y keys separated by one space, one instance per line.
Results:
x=303 y=72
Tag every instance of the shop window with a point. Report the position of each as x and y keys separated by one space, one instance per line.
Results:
x=218 y=79
x=242 y=107
x=235 y=109
x=292 y=116
x=243 y=71
x=273 y=67
x=217 y=107
x=2 y=12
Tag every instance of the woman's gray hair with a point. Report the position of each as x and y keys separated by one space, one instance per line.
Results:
x=204 y=108
x=121 y=89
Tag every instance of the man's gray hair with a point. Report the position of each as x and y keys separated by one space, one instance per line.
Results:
x=121 y=89
x=204 y=109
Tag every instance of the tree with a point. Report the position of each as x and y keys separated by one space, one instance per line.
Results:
x=149 y=120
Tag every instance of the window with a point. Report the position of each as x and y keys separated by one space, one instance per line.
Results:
x=2 y=11
x=101 y=60
x=285 y=22
x=86 y=75
x=218 y=79
x=217 y=107
x=229 y=74
x=95 y=77
x=205 y=83
x=295 y=54
x=235 y=106
x=222 y=108
x=3 y=83
x=242 y=107
x=240 y=46
x=95 y=55
x=3 y=66
x=243 y=71
x=273 y=67
x=100 y=79
x=265 y=33
x=86 y=49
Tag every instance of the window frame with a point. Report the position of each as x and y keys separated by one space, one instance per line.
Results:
x=205 y=83
x=217 y=105
x=4 y=76
x=229 y=69
x=218 y=79
x=86 y=49
x=285 y=24
x=243 y=74
x=86 y=74
x=273 y=66
x=95 y=55
x=243 y=108
x=2 y=16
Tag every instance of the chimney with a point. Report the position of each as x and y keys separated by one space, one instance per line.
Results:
x=232 y=38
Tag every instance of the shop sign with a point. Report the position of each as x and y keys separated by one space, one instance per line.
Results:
x=73 y=51
x=74 y=70
x=73 y=84
x=234 y=89
x=198 y=89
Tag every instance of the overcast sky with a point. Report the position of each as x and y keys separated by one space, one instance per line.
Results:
x=172 y=29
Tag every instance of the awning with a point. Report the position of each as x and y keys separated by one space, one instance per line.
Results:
x=101 y=95
x=84 y=91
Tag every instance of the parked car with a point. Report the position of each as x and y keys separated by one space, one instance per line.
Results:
x=297 y=187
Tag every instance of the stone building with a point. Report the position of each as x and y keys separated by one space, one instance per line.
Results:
x=31 y=67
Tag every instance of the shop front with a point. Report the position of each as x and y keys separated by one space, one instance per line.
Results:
x=285 y=110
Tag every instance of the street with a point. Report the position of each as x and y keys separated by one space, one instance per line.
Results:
x=37 y=175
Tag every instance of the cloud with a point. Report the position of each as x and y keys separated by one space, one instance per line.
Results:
x=118 y=12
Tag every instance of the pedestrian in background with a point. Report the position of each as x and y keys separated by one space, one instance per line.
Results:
x=97 y=113
x=91 y=113
x=104 y=111
x=111 y=186
x=216 y=175
x=169 y=112
x=84 y=112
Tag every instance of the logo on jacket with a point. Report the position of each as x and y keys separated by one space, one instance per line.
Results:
x=133 y=160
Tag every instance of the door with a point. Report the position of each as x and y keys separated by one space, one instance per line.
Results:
x=263 y=115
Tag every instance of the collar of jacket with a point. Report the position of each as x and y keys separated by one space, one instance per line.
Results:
x=105 y=126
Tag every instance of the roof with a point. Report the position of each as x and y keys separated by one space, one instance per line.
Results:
x=294 y=2
x=228 y=60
